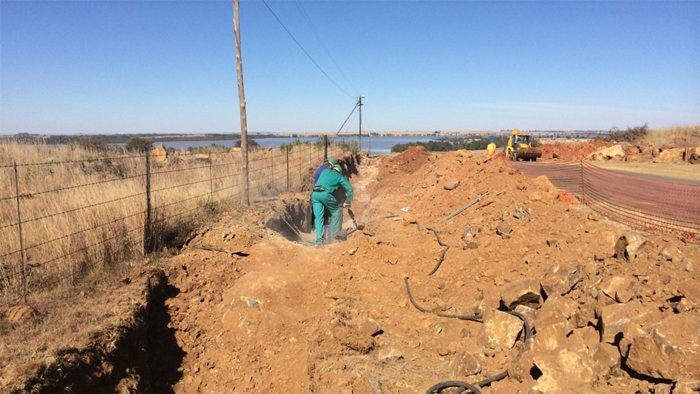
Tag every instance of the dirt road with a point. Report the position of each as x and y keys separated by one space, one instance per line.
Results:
x=292 y=318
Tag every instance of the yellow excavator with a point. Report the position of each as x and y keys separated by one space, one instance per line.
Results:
x=519 y=147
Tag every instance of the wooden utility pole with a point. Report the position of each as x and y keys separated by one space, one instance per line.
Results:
x=241 y=100
x=359 y=104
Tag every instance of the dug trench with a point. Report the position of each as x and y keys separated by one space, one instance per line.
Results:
x=138 y=355
x=474 y=239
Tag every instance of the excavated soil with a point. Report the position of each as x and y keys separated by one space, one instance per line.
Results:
x=259 y=312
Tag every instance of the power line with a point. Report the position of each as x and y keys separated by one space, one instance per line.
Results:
x=304 y=50
x=323 y=45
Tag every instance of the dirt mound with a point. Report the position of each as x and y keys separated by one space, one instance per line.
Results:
x=508 y=238
x=604 y=305
x=408 y=161
x=571 y=151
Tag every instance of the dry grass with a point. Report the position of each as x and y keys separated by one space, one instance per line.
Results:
x=83 y=210
x=678 y=136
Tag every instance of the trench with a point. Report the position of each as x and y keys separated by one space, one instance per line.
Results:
x=294 y=220
x=139 y=355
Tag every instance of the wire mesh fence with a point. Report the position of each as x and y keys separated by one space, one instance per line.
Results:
x=641 y=201
x=61 y=219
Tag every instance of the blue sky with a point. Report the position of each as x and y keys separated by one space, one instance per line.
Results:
x=157 y=66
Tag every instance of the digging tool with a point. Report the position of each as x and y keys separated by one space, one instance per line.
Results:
x=360 y=226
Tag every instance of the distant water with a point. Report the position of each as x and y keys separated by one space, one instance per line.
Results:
x=374 y=145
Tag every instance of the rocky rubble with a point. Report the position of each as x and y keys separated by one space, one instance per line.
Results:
x=290 y=318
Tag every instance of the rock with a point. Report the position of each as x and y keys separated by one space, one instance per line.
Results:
x=20 y=314
x=635 y=240
x=626 y=319
x=606 y=360
x=553 y=323
x=552 y=336
x=525 y=292
x=159 y=154
x=252 y=302
x=450 y=185
x=391 y=354
x=551 y=242
x=504 y=229
x=409 y=218
x=599 y=257
x=464 y=365
x=588 y=336
x=619 y=288
x=470 y=232
x=621 y=249
x=354 y=339
x=615 y=151
x=352 y=251
x=672 y=155
x=566 y=369
x=500 y=330
x=521 y=214
x=469 y=245
x=529 y=313
x=560 y=280
x=670 y=349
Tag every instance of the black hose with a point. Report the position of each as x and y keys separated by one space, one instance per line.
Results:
x=445 y=247
x=436 y=388
x=476 y=318
x=464 y=386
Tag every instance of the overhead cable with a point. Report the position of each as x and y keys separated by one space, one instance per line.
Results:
x=305 y=51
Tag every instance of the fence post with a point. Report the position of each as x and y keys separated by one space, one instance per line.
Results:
x=23 y=267
x=211 y=183
x=272 y=168
x=287 y=150
x=325 y=147
x=147 y=225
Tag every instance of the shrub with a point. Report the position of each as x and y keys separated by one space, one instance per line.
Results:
x=138 y=144
x=632 y=134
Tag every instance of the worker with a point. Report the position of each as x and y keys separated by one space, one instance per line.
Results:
x=491 y=147
x=322 y=199
x=327 y=164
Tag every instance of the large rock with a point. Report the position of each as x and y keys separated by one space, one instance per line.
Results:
x=561 y=279
x=555 y=310
x=615 y=151
x=635 y=241
x=553 y=323
x=606 y=360
x=672 y=155
x=159 y=154
x=500 y=330
x=450 y=185
x=627 y=320
x=670 y=349
x=619 y=288
x=465 y=364
x=525 y=292
x=566 y=369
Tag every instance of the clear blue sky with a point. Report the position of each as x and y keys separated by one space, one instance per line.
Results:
x=157 y=66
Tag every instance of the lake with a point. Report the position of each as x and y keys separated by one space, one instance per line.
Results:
x=373 y=145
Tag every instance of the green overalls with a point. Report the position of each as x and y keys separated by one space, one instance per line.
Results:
x=322 y=198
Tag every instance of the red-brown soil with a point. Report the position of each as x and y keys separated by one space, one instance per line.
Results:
x=293 y=318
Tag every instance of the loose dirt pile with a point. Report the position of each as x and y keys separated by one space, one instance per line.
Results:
x=608 y=314
x=571 y=152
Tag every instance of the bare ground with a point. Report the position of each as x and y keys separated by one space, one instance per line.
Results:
x=292 y=318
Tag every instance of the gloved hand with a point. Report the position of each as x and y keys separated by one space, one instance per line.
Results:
x=346 y=205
